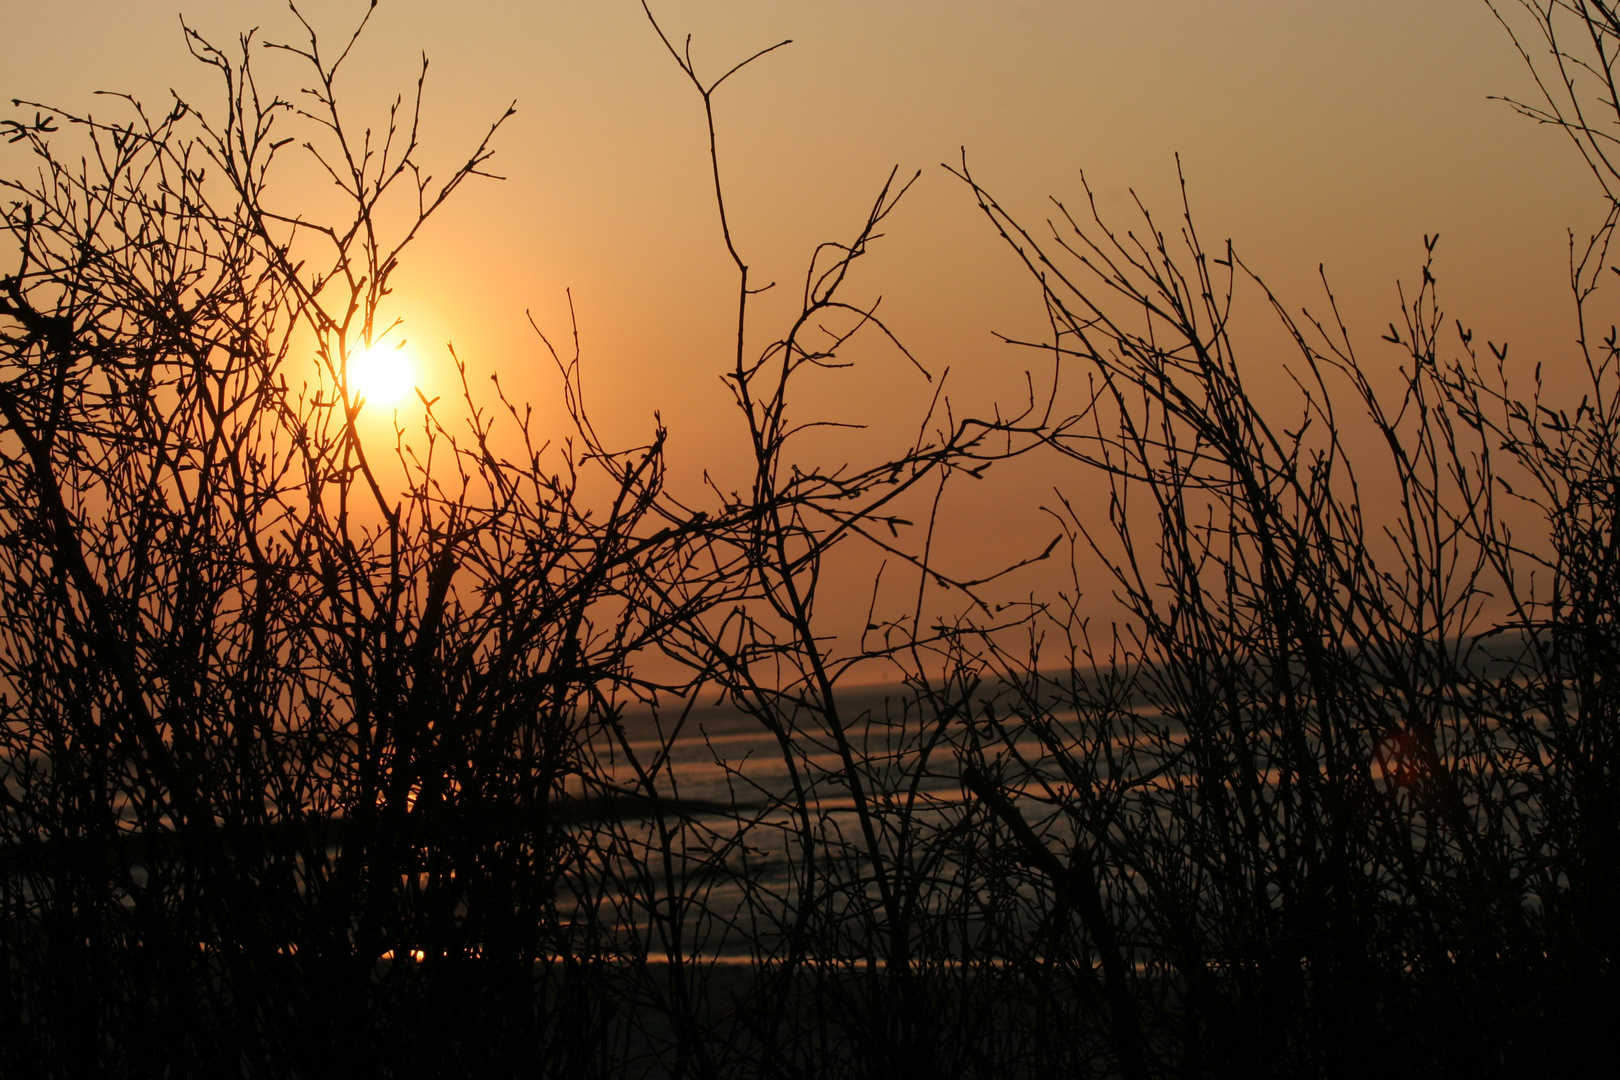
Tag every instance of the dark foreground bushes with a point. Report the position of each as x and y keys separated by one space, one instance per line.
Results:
x=325 y=757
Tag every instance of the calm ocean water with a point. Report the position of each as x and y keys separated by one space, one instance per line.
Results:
x=717 y=841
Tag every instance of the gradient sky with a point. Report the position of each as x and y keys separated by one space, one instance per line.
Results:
x=1310 y=132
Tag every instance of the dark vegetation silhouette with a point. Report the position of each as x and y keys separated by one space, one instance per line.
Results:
x=330 y=757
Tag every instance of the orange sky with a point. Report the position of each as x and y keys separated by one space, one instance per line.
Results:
x=1310 y=132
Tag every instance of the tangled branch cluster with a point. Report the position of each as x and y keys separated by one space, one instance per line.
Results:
x=325 y=757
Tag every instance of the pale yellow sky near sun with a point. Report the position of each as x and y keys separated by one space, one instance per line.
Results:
x=1310 y=132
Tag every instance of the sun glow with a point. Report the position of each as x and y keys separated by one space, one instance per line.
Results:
x=381 y=374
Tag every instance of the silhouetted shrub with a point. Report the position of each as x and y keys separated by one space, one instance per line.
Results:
x=313 y=771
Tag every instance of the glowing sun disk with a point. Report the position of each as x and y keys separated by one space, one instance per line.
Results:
x=381 y=374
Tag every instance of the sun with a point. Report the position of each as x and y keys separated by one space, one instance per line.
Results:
x=381 y=374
